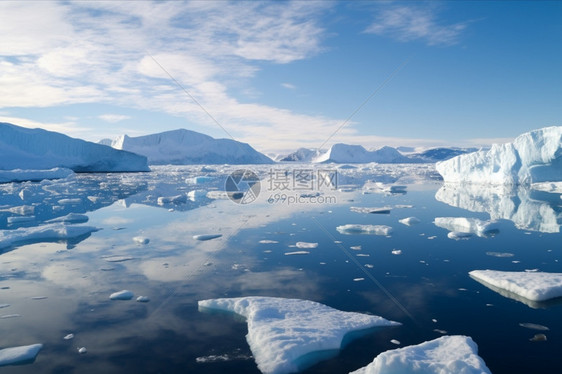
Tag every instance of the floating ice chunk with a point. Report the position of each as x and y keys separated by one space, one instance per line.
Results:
x=297 y=253
x=118 y=258
x=534 y=286
x=20 y=175
x=196 y=194
x=19 y=355
x=351 y=229
x=199 y=180
x=457 y=235
x=268 y=241
x=69 y=337
x=204 y=237
x=82 y=350
x=143 y=299
x=467 y=225
x=445 y=355
x=70 y=218
x=306 y=245
x=141 y=240
x=288 y=335
x=6 y=316
x=70 y=201
x=538 y=338
x=384 y=210
x=532 y=157
x=121 y=295
x=394 y=341
x=52 y=231
x=534 y=326
x=396 y=251
x=409 y=221
x=551 y=187
x=177 y=199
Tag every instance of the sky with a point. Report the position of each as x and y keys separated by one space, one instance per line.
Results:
x=281 y=75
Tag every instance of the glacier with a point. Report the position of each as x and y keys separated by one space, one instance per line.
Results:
x=185 y=147
x=535 y=156
x=455 y=354
x=28 y=149
x=288 y=335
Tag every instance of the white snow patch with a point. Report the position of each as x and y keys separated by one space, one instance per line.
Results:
x=351 y=229
x=19 y=355
x=445 y=355
x=534 y=286
x=288 y=335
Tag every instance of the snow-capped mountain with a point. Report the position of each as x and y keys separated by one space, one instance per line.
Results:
x=185 y=147
x=345 y=153
x=23 y=148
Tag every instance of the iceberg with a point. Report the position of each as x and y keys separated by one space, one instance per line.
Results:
x=19 y=355
x=288 y=335
x=21 y=175
x=346 y=153
x=351 y=229
x=185 y=147
x=455 y=354
x=534 y=286
x=467 y=225
x=48 y=232
x=535 y=156
x=37 y=149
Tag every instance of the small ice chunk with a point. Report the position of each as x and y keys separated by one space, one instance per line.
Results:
x=177 y=199
x=409 y=221
x=356 y=247
x=141 y=240
x=286 y=335
x=445 y=355
x=82 y=350
x=68 y=337
x=51 y=231
x=467 y=225
x=457 y=235
x=534 y=326
x=70 y=218
x=196 y=194
x=500 y=254
x=351 y=229
x=535 y=286
x=121 y=295
x=268 y=241
x=143 y=299
x=383 y=210
x=204 y=237
x=296 y=253
x=4 y=305
x=358 y=279
x=394 y=341
x=19 y=355
x=396 y=251
x=305 y=245
x=118 y=258
x=538 y=338
x=6 y=316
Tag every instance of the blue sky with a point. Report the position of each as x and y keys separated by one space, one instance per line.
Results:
x=283 y=75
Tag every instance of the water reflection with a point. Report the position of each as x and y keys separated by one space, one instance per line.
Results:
x=528 y=209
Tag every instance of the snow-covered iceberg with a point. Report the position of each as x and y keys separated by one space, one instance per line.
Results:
x=185 y=147
x=19 y=355
x=346 y=153
x=37 y=149
x=526 y=208
x=533 y=157
x=446 y=355
x=534 y=286
x=467 y=225
x=288 y=335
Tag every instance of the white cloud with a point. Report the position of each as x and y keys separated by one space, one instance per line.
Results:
x=69 y=128
x=113 y=117
x=289 y=86
x=407 y=23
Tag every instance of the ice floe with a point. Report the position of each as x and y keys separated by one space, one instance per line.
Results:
x=532 y=157
x=467 y=225
x=366 y=210
x=534 y=286
x=288 y=335
x=19 y=355
x=445 y=355
x=297 y=253
x=306 y=245
x=205 y=237
x=351 y=229
x=48 y=232
x=409 y=221
x=20 y=175
x=122 y=295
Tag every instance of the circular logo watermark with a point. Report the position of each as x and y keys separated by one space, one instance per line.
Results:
x=242 y=186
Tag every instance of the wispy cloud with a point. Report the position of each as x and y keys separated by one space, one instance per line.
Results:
x=288 y=86
x=113 y=118
x=407 y=23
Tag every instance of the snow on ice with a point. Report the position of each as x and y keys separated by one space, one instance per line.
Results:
x=288 y=335
x=446 y=355
x=534 y=286
x=533 y=157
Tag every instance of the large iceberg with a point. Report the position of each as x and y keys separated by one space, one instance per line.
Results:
x=533 y=157
x=185 y=147
x=288 y=335
x=23 y=148
x=534 y=286
x=445 y=355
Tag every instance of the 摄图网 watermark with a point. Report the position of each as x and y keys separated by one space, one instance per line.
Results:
x=283 y=186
